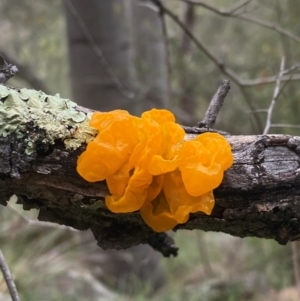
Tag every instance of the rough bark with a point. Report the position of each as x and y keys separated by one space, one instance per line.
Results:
x=259 y=196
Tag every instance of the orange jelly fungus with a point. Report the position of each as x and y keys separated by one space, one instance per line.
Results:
x=149 y=167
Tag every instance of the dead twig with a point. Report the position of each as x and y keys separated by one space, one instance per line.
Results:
x=223 y=12
x=285 y=125
x=8 y=279
x=287 y=76
x=197 y=131
x=276 y=94
x=7 y=70
x=278 y=90
x=238 y=5
x=247 y=18
x=26 y=73
x=225 y=70
x=268 y=80
x=215 y=106
x=36 y=223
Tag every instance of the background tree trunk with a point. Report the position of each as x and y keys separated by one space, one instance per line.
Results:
x=102 y=77
x=100 y=52
x=150 y=57
x=187 y=94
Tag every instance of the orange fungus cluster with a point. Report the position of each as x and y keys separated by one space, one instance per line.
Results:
x=149 y=167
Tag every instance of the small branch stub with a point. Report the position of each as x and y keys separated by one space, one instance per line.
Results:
x=215 y=106
x=6 y=70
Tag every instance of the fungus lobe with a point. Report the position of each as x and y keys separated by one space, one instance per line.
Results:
x=148 y=166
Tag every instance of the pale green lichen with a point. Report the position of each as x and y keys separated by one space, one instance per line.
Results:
x=57 y=116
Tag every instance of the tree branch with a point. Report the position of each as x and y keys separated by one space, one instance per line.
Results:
x=269 y=80
x=215 y=105
x=225 y=70
x=276 y=94
x=26 y=73
x=259 y=195
x=230 y=13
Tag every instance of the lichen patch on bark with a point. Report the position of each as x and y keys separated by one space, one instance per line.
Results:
x=57 y=116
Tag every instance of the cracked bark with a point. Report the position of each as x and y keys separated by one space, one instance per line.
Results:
x=259 y=196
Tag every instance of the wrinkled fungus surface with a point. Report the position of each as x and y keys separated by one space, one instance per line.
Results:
x=149 y=167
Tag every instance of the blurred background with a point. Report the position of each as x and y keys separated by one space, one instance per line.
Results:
x=136 y=55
